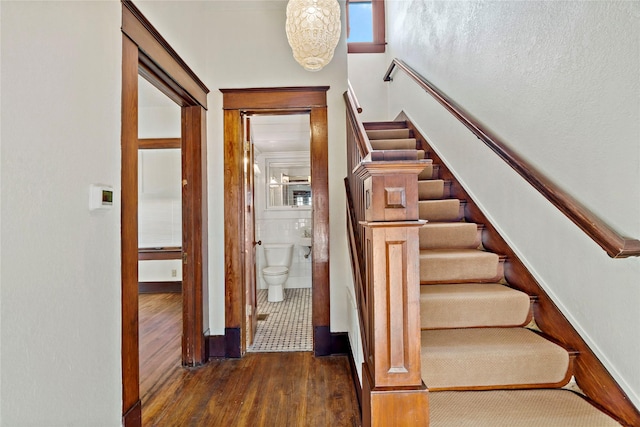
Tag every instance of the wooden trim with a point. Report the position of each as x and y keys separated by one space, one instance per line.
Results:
x=215 y=345
x=591 y=375
x=354 y=376
x=157 y=52
x=194 y=233
x=129 y=232
x=379 y=44
x=321 y=341
x=340 y=343
x=159 y=143
x=362 y=47
x=147 y=254
x=232 y=342
x=159 y=287
x=147 y=54
x=233 y=220
x=613 y=243
x=265 y=100
x=321 y=316
x=133 y=417
x=277 y=98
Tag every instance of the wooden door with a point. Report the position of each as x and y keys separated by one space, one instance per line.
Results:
x=251 y=303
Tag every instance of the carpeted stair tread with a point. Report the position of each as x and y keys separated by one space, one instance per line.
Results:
x=440 y=210
x=445 y=235
x=431 y=189
x=514 y=408
x=470 y=305
x=388 y=133
x=491 y=357
x=393 y=144
x=458 y=265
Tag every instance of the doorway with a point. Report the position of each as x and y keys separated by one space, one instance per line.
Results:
x=159 y=238
x=146 y=53
x=291 y=100
x=279 y=169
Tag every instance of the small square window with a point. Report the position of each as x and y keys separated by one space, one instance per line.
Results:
x=365 y=31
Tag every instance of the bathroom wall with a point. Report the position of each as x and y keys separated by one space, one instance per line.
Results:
x=281 y=226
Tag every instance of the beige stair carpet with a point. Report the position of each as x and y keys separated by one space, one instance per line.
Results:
x=393 y=144
x=445 y=235
x=430 y=189
x=515 y=408
x=472 y=305
x=440 y=210
x=388 y=133
x=458 y=265
x=487 y=357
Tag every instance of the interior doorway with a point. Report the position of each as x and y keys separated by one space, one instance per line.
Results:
x=279 y=189
x=272 y=101
x=146 y=53
x=160 y=308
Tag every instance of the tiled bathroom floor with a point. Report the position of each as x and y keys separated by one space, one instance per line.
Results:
x=287 y=325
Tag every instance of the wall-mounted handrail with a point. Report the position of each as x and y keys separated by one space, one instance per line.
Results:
x=611 y=241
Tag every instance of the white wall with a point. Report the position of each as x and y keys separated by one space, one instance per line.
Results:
x=284 y=225
x=559 y=82
x=60 y=114
x=244 y=46
x=366 y=80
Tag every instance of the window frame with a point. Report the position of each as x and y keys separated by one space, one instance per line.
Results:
x=378 y=17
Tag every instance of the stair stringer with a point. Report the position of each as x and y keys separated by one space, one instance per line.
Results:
x=593 y=378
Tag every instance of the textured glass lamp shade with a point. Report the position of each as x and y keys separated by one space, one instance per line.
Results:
x=313 y=31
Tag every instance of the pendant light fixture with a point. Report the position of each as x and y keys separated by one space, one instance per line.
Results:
x=313 y=30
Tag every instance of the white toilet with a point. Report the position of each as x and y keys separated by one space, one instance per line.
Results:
x=278 y=258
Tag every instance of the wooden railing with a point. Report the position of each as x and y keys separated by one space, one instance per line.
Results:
x=612 y=242
x=382 y=205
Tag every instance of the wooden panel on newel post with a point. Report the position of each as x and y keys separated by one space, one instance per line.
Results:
x=393 y=391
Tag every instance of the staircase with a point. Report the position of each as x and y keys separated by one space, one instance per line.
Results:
x=483 y=358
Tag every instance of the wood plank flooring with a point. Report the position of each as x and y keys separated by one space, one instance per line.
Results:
x=261 y=389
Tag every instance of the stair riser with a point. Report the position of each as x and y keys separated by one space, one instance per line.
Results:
x=430 y=172
x=433 y=189
x=450 y=236
x=447 y=210
x=389 y=134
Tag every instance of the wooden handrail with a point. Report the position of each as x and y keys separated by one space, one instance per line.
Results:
x=354 y=97
x=362 y=142
x=611 y=241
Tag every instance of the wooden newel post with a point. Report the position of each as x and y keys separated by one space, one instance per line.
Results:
x=393 y=391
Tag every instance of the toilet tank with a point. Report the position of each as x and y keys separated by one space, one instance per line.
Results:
x=278 y=254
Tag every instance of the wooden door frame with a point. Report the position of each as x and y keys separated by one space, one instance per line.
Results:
x=312 y=100
x=146 y=53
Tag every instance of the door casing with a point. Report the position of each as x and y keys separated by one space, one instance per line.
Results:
x=145 y=52
x=279 y=100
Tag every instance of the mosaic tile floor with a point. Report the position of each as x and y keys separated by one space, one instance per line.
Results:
x=287 y=324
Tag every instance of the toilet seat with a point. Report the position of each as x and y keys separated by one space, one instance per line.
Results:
x=274 y=271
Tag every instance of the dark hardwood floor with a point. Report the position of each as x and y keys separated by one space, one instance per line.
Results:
x=261 y=389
